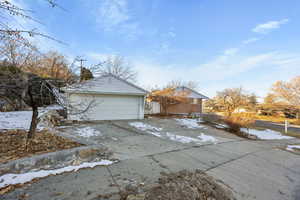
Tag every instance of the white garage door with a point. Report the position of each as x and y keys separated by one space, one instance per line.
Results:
x=111 y=107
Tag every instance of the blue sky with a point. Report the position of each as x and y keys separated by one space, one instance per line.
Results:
x=217 y=43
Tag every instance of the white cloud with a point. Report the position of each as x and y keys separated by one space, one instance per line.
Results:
x=21 y=23
x=172 y=34
x=113 y=13
x=224 y=66
x=166 y=42
x=164 y=47
x=250 y=40
x=269 y=26
x=221 y=72
x=115 y=16
x=98 y=56
x=231 y=51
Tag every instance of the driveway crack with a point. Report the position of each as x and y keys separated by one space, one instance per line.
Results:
x=158 y=162
x=232 y=160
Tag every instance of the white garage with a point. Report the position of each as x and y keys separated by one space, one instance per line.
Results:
x=105 y=98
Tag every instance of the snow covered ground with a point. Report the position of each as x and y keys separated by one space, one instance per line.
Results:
x=158 y=132
x=12 y=179
x=292 y=147
x=87 y=132
x=21 y=119
x=266 y=134
x=189 y=123
x=15 y=120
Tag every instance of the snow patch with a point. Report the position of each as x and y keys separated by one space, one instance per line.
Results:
x=185 y=139
x=157 y=132
x=266 y=134
x=144 y=127
x=207 y=138
x=87 y=132
x=181 y=139
x=221 y=126
x=12 y=179
x=292 y=147
x=189 y=123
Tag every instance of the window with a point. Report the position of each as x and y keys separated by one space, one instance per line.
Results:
x=195 y=101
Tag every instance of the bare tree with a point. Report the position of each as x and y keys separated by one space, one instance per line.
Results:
x=27 y=57
x=33 y=90
x=17 y=51
x=168 y=96
x=179 y=83
x=119 y=67
x=283 y=98
x=229 y=99
x=11 y=10
x=288 y=92
x=270 y=99
x=52 y=65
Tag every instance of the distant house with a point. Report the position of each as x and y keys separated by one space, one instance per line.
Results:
x=107 y=98
x=180 y=100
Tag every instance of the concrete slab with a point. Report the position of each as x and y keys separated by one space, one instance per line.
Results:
x=171 y=125
x=168 y=132
x=176 y=161
x=253 y=177
x=138 y=146
x=237 y=148
x=137 y=171
x=83 y=184
x=107 y=132
x=284 y=159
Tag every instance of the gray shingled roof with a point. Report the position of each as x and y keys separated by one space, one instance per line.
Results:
x=107 y=84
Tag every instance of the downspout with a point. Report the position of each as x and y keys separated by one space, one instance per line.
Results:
x=139 y=109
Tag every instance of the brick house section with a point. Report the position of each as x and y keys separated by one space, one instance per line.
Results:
x=193 y=105
x=185 y=108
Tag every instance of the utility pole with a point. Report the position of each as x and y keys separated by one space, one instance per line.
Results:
x=81 y=63
x=81 y=67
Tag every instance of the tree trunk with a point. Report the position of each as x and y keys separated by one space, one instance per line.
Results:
x=34 y=122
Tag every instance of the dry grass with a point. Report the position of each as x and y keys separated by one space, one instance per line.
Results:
x=12 y=144
x=275 y=119
x=235 y=123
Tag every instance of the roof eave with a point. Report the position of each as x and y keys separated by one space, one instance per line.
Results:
x=202 y=96
x=105 y=93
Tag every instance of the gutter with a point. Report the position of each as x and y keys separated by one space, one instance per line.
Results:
x=101 y=93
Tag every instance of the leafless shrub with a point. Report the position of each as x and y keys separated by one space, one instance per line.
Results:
x=235 y=123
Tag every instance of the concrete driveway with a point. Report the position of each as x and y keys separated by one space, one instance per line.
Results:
x=251 y=169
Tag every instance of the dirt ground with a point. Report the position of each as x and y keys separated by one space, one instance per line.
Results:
x=12 y=144
x=183 y=185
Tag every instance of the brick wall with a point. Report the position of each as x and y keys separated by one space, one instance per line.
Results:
x=185 y=108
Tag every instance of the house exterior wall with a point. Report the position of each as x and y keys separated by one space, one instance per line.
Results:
x=153 y=108
x=185 y=108
x=107 y=107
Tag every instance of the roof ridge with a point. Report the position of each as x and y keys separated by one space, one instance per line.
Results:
x=86 y=83
x=193 y=91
